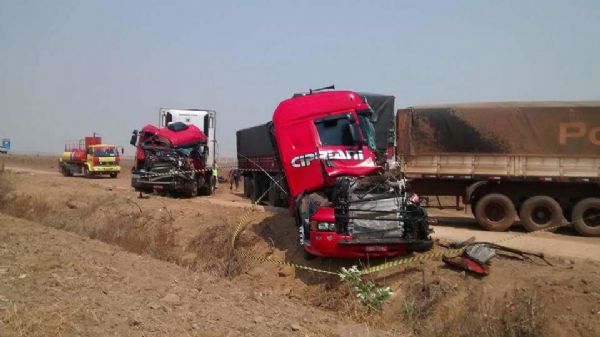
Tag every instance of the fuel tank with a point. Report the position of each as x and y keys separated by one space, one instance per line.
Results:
x=74 y=156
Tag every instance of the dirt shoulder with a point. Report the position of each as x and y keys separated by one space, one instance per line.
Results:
x=57 y=283
x=566 y=243
x=157 y=246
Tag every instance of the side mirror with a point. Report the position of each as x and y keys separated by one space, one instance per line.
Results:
x=122 y=150
x=134 y=137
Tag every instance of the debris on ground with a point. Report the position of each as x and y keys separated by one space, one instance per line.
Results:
x=476 y=256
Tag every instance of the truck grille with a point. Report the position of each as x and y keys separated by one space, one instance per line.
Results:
x=377 y=218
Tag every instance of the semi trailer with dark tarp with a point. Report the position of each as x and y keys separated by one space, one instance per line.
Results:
x=536 y=161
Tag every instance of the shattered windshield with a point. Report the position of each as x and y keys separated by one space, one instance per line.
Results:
x=367 y=128
x=334 y=130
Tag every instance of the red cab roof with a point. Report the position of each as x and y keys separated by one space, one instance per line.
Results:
x=177 y=138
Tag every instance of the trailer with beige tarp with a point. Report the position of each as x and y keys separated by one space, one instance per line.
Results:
x=536 y=161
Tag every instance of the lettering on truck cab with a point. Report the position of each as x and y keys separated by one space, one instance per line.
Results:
x=306 y=159
x=573 y=130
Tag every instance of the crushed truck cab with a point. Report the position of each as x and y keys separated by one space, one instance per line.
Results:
x=344 y=203
x=171 y=159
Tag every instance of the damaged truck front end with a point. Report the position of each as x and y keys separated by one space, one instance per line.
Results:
x=171 y=160
x=344 y=203
x=365 y=216
x=165 y=169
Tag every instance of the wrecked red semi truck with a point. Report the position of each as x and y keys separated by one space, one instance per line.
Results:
x=171 y=159
x=320 y=157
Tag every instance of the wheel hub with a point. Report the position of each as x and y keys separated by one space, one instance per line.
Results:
x=495 y=212
x=541 y=215
x=591 y=217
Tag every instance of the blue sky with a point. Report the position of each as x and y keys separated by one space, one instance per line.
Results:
x=68 y=68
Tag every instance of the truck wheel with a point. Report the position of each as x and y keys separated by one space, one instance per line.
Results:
x=193 y=191
x=495 y=212
x=275 y=199
x=86 y=172
x=113 y=175
x=302 y=235
x=540 y=212
x=248 y=187
x=257 y=188
x=586 y=217
x=66 y=172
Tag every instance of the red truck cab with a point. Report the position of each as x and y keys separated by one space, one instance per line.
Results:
x=172 y=160
x=319 y=138
x=345 y=205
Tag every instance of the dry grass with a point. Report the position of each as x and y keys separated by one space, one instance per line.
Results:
x=472 y=313
x=30 y=207
x=6 y=186
x=41 y=321
x=115 y=221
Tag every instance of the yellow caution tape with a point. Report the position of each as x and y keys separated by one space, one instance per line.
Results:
x=369 y=270
x=238 y=230
x=427 y=256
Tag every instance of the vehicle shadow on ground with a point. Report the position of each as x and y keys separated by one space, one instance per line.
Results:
x=470 y=223
x=91 y=177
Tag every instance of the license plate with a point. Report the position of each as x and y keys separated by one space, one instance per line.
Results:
x=376 y=249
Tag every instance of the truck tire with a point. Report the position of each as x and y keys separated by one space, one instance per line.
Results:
x=206 y=185
x=193 y=191
x=586 y=217
x=302 y=235
x=540 y=212
x=258 y=187
x=275 y=194
x=65 y=171
x=495 y=212
x=113 y=175
x=247 y=186
x=86 y=172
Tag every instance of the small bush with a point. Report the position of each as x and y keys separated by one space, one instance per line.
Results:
x=367 y=292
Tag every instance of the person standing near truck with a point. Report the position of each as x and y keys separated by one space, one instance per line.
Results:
x=215 y=177
x=234 y=178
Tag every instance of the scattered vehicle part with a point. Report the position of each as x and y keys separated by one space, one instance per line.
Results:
x=480 y=253
x=466 y=263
